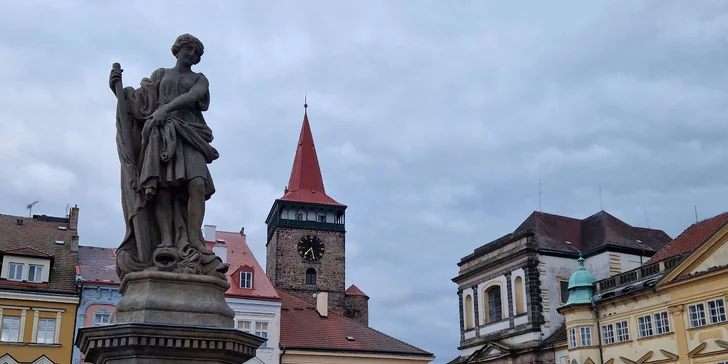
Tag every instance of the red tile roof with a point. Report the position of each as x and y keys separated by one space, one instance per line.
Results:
x=239 y=255
x=306 y=183
x=691 y=238
x=594 y=232
x=97 y=265
x=355 y=291
x=39 y=236
x=302 y=328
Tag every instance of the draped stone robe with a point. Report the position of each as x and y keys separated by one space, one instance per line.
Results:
x=166 y=157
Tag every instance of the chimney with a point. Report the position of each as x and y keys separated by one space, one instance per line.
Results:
x=221 y=251
x=209 y=233
x=322 y=303
x=73 y=218
x=74 y=244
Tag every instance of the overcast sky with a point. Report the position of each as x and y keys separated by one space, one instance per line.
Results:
x=433 y=120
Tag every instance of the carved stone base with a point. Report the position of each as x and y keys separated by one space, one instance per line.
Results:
x=140 y=343
x=173 y=298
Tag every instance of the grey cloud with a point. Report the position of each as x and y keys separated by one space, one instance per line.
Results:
x=433 y=122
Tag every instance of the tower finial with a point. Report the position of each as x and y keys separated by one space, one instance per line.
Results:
x=305 y=103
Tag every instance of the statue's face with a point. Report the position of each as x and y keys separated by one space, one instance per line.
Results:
x=188 y=55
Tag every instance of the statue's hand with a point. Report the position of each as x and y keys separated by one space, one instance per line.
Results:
x=114 y=77
x=159 y=116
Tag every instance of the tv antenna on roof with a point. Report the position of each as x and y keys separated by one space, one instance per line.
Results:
x=30 y=208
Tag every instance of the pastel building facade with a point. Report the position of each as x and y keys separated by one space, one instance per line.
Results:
x=672 y=309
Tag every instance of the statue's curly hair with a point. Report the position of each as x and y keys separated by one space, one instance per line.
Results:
x=186 y=39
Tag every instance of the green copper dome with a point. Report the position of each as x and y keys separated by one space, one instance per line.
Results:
x=581 y=285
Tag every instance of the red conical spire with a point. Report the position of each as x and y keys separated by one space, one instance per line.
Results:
x=306 y=183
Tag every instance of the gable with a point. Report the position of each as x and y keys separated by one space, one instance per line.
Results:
x=717 y=258
x=711 y=254
x=42 y=360
x=7 y=359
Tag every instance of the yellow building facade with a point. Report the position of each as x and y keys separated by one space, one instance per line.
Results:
x=37 y=328
x=671 y=310
x=38 y=291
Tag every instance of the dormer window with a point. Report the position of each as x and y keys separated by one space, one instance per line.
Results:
x=15 y=272
x=35 y=273
x=246 y=280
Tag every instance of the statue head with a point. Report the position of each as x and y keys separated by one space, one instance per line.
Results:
x=190 y=42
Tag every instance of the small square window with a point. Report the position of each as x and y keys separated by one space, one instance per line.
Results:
x=246 y=279
x=102 y=318
x=46 y=331
x=697 y=315
x=716 y=311
x=572 y=338
x=622 y=331
x=15 y=272
x=261 y=329
x=662 y=324
x=608 y=334
x=586 y=338
x=10 y=329
x=35 y=273
x=244 y=326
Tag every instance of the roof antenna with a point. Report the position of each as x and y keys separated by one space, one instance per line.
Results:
x=646 y=218
x=30 y=208
x=696 y=214
x=540 y=191
x=601 y=203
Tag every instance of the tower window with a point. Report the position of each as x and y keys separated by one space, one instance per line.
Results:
x=311 y=276
x=494 y=304
x=321 y=218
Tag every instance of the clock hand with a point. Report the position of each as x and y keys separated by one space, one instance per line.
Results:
x=310 y=250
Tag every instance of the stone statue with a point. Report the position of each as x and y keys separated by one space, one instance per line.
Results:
x=164 y=148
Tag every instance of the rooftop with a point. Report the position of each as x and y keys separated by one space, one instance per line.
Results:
x=695 y=235
x=566 y=234
x=43 y=237
x=303 y=328
x=97 y=264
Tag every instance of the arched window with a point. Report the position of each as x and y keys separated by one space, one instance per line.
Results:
x=468 y=312
x=311 y=276
x=494 y=304
x=518 y=288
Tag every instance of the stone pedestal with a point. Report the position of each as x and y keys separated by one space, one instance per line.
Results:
x=166 y=318
x=171 y=298
x=140 y=343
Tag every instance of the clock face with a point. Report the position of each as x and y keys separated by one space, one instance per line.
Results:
x=311 y=248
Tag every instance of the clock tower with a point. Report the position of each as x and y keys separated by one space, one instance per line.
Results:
x=306 y=243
